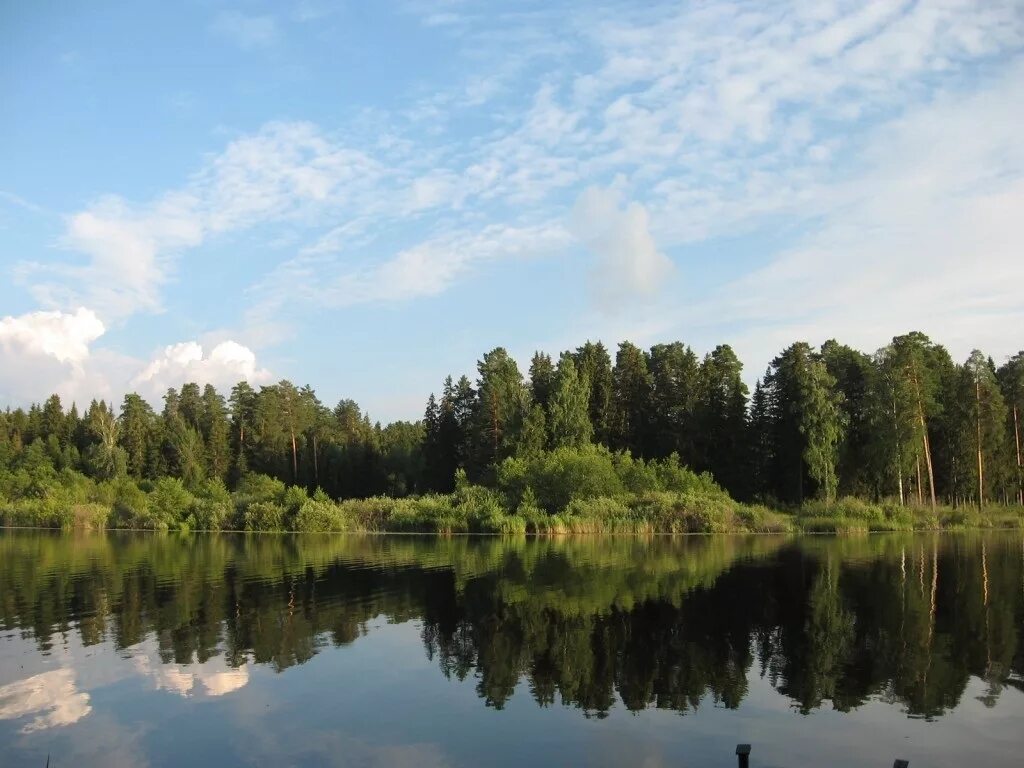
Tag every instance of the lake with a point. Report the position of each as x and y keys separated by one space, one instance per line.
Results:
x=232 y=650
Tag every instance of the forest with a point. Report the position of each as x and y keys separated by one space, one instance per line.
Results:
x=654 y=440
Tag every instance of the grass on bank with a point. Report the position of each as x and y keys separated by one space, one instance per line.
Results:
x=589 y=490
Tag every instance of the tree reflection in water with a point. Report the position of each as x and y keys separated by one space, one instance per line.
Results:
x=666 y=622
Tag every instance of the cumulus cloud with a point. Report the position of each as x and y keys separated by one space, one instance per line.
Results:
x=628 y=263
x=226 y=364
x=57 y=352
x=44 y=352
x=62 y=336
x=212 y=678
x=53 y=697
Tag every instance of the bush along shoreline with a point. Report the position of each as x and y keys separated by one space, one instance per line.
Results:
x=589 y=490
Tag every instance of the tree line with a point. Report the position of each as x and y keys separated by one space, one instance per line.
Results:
x=905 y=423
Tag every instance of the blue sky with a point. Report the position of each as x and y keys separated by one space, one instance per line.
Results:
x=367 y=196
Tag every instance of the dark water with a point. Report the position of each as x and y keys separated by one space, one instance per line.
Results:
x=280 y=650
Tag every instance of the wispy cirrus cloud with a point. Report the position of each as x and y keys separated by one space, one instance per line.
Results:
x=630 y=133
x=284 y=173
x=715 y=116
x=924 y=235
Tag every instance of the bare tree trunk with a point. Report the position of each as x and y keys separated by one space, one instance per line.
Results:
x=924 y=436
x=928 y=460
x=295 y=459
x=981 y=463
x=1016 y=440
x=899 y=452
x=920 y=484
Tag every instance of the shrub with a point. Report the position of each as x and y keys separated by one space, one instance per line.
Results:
x=263 y=516
x=130 y=505
x=320 y=516
x=170 y=504
x=254 y=487
x=559 y=476
x=92 y=516
x=368 y=514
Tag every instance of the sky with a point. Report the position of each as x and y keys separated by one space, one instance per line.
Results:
x=367 y=196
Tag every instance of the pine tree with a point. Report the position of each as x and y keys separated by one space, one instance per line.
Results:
x=985 y=425
x=1011 y=382
x=594 y=362
x=216 y=432
x=542 y=379
x=568 y=418
x=243 y=419
x=137 y=434
x=806 y=424
x=631 y=400
x=721 y=421
x=853 y=372
x=674 y=396
x=501 y=407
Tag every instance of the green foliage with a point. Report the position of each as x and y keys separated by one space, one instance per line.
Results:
x=170 y=505
x=321 y=516
x=213 y=508
x=557 y=477
x=263 y=516
x=503 y=454
x=255 y=488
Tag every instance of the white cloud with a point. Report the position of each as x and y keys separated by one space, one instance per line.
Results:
x=284 y=172
x=629 y=264
x=928 y=236
x=46 y=352
x=56 y=352
x=52 y=697
x=716 y=119
x=64 y=337
x=212 y=678
x=246 y=31
x=226 y=364
x=426 y=269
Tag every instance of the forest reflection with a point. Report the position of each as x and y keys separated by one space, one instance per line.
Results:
x=673 y=623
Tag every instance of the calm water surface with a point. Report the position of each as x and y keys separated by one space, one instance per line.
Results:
x=226 y=650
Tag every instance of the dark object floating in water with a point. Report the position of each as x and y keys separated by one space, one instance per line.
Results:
x=743 y=758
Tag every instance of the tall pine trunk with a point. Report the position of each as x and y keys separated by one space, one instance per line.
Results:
x=924 y=436
x=1016 y=440
x=899 y=452
x=295 y=458
x=981 y=462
